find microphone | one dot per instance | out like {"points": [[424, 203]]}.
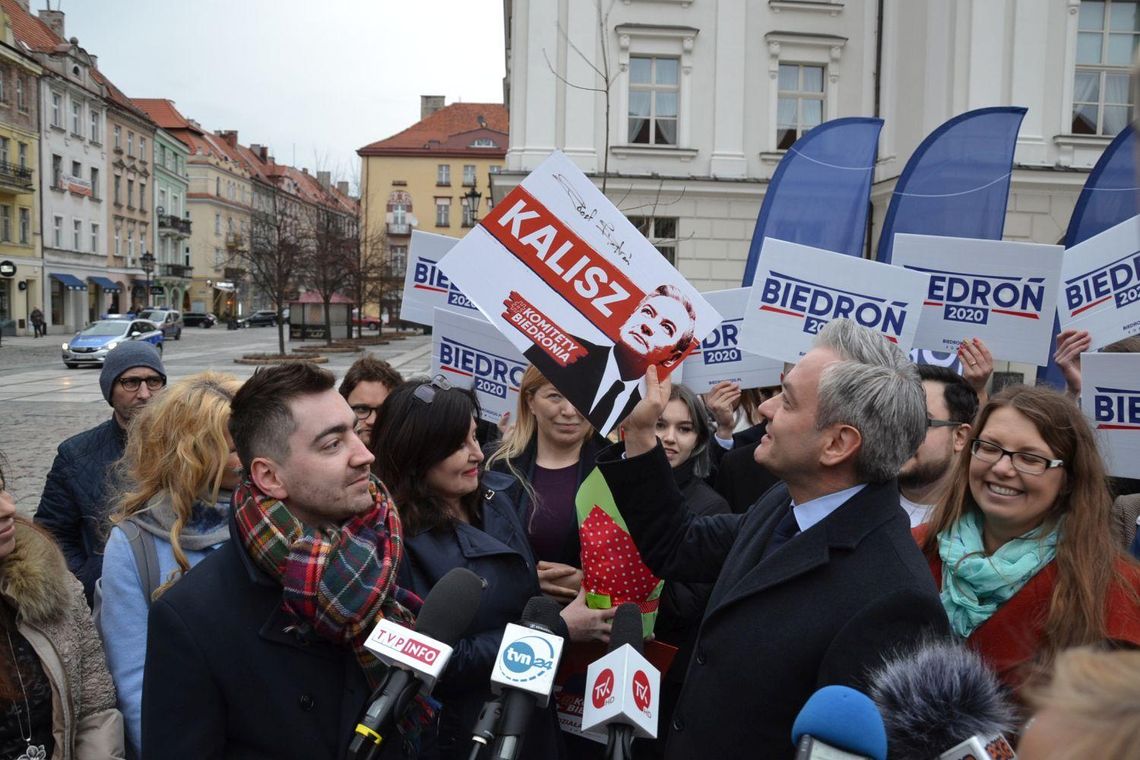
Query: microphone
{"points": [[415, 657], [941, 701], [624, 693], [839, 723], [524, 672]]}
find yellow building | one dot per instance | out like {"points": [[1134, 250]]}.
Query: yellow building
{"points": [[21, 254], [425, 177]]}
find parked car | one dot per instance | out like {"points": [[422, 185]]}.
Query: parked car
{"points": [[369, 322], [168, 320], [199, 319], [263, 318], [91, 344]]}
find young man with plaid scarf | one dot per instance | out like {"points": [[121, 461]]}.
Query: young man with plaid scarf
{"points": [[259, 651]]}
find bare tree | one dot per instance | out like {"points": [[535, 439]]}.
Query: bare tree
{"points": [[330, 256], [367, 262], [274, 257]]}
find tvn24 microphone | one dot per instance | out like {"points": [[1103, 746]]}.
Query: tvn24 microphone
{"points": [[839, 723], [624, 689], [524, 671], [941, 701], [415, 658]]}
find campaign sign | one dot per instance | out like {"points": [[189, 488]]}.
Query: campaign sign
{"points": [[1110, 398], [425, 286], [574, 286], [799, 289], [1100, 285], [471, 353], [1002, 292], [720, 356]]}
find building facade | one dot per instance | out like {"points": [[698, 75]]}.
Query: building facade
{"points": [[704, 97], [172, 251], [21, 290], [433, 177]]}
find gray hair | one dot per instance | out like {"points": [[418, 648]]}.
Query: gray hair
{"points": [[877, 391]]}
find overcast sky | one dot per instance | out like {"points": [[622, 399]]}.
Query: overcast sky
{"points": [[312, 80]]}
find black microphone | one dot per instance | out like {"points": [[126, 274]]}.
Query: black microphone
{"points": [[524, 671], [938, 697], [415, 658]]}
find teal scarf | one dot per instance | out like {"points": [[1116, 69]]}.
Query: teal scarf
{"points": [[974, 585]]}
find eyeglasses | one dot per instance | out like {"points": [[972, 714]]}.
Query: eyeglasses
{"points": [[132, 384], [942, 423], [363, 411], [425, 392], [1030, 464]]}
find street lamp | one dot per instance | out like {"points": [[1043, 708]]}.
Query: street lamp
{"points": [[473, 197], [147, 261]]}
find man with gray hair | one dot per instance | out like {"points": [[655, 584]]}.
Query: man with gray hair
{"points": [[820, 578]]}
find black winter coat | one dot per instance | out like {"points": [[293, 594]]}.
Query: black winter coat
{"points": [[75, 502], [822, 609]]}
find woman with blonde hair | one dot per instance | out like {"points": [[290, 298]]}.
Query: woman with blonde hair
{"points": [[550, 451], [1022, 545], [56, 695], [180, 467], [1090, 709]]}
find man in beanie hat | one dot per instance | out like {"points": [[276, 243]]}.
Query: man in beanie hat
{"points": [[74, 504]]}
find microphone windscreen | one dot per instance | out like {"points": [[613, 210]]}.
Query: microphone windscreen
{"points": [[626, 627], [844, 718], [450, 606], [543, 611], [937, 697]]}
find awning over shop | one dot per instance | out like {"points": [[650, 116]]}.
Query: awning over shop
{"points": [[71, 282], [226, 286], [107, 284]]}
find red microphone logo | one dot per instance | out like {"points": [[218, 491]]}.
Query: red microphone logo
{"points": [[603, 690], [641, 693]]}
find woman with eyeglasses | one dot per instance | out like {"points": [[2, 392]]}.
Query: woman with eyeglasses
{"points": [[456, 515], [180, 468], [1022, 545], [549, 451]]}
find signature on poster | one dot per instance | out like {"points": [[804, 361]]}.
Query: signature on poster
{"points": [[589, 215]]}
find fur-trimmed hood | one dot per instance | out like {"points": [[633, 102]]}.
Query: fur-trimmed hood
{"points": [[33, 578]]}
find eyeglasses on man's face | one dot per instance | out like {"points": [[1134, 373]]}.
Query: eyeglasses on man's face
{"points": [[364, 411], [132, 384], [1023, 461], [425, 392]]}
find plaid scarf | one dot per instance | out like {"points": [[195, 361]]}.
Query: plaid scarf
{"points": [[337, 582]]}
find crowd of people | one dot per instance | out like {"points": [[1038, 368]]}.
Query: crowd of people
{"points": [[204, 567]]}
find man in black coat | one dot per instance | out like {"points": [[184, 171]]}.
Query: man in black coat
{"points": [[76, 500], [230, 670], [819, 579], [603, 384]]}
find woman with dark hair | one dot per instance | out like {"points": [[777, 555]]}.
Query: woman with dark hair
{"points": [[550, 451], [56, 695], [455, 515], [1022, 544], [686, 435]]}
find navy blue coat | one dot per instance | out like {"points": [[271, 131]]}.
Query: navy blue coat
{"points": [[74, 505], [227, 674], [498, 551], [822, 609]]}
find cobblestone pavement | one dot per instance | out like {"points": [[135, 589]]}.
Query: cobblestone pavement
{"points": [[42, 403]]}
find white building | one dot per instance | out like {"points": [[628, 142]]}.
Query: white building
{"points": [[704, 96]]}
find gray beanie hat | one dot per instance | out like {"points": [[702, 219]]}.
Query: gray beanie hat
{"points": [[133, 353]]}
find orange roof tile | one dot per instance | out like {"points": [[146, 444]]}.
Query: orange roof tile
{"points": [[162, 112], [118, 97], [449, 130], [29, 29]]}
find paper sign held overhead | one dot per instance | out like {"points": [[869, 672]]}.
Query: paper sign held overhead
{"points": [[575, 287], [720, 356], [1002, 292], [799, 289], [472, 354], [1100, 285], [426, 287], [1110, 399]]}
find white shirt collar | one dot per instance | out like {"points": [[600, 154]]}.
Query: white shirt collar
{"points": [[611, 374], [811, 512]]}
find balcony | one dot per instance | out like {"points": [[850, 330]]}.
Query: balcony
{"points": [[174, 224], [15, 177], [399, 229], [235, 240], [176, 270], [234, 274]]}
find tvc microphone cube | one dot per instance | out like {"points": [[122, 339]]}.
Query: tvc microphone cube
{"points": [[527, 661], [622, 687], [396, 645], [981, 748]]}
